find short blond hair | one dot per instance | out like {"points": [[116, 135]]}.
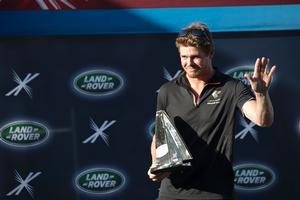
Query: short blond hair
{"points": [[203, 42]]}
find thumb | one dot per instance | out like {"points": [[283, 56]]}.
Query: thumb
{"points": [[249, 78]]}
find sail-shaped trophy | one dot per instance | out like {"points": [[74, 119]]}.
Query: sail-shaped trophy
{"points": [[171, 151]]}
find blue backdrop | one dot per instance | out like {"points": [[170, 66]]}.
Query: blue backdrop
{"points": [[90, 139], [78, 98]]}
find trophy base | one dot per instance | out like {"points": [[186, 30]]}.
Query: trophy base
{"points": [[170, 168]]}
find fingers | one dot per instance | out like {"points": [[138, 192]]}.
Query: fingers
{"points": [[264, 63], [249, 78], [272, 70], [265, 67], [261, 67], [257, 68], [151, 176], [159, 176], [262, 75]]}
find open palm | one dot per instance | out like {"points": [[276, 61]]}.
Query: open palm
{"points": [[261, 79]]}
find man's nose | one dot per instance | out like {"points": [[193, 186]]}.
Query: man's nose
{"points": [[190, 61]]}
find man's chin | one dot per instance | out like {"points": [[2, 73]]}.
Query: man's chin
{"points": [[193, 75]]}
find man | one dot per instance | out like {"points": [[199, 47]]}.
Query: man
{"points": [[202, 103]]}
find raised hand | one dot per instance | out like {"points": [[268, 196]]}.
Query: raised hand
{"points": [[261, 79]]}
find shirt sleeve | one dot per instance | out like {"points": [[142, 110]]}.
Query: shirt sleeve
{"points": [[243, 94]]}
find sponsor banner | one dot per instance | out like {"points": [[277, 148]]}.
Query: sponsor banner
{"points": [[96, 4], [24, 133], [22, 84], [99, 131], [253, 177], [85, 125], [100, 181], [168, 76], [239, 73], [24, 184], [247, 130], [98, 83]]}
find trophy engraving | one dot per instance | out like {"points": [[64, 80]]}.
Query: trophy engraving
{"points": [[171, 151]]}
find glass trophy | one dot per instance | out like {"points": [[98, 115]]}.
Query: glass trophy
{"points": [[171, 151]]}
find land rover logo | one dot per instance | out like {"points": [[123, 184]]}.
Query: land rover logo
{"points": [[23, 133], [239, 73], [100, 181], [253, 176], [98, 82]]}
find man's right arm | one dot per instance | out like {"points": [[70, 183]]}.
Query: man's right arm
{"points": [[159, 176], [161, 104]]}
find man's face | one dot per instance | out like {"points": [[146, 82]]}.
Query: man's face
{"points": [[194, 61]]}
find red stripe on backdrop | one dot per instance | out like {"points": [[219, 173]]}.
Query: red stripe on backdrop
{"points": [[111, 4]]}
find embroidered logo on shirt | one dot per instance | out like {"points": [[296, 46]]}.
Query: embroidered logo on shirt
{"points": [[216, 97]]}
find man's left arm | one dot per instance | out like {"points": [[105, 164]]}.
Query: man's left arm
{"points": [[260, 111]]}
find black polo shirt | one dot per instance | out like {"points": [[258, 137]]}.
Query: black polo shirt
{"points": [[207, 129]]}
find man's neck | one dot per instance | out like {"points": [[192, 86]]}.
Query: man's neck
{"points": [[197, 84]]}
